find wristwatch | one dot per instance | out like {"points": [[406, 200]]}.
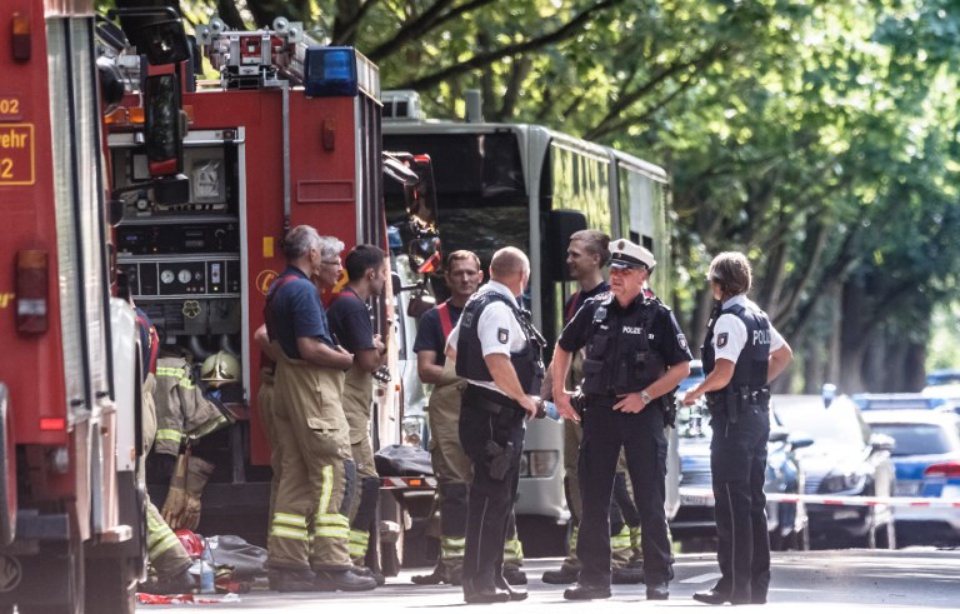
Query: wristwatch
{"points": [[645, 397]]}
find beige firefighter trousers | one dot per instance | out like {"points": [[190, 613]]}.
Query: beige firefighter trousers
{"points": [[317, 476]]}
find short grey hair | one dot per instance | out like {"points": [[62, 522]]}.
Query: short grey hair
{"points": [[299, 241], [330, 247]]}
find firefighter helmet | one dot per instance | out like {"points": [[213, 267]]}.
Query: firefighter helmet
{"points": [[190, 542], [220, 368]]}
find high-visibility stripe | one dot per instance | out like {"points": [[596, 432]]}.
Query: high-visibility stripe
{"points": [[358, 543], [288, 533], [293, 520], [512, 551], [169, 435], [454, 542], [336, 520], [326, 492], [171, 372], [186, 383], [332, 532]]}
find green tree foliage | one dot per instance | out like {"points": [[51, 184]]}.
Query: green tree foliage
{"points": [[818, 137]]}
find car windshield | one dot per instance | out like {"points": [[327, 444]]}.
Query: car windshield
{"points": [[916, 439], [840, 423]]}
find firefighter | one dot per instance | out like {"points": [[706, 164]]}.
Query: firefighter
{"points": [[318, 475], [587, 254], [635, 354], [742, 354], [167, 555], [498, 351], [352, 325]]}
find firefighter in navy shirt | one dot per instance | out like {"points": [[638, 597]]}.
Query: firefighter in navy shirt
{"points": [[635, 354], [742, 353], [352, 325], [499, 352]]}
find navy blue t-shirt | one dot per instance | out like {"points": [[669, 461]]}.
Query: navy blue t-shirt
{"points": [[296, 312], [430, 335], [350, 322]]}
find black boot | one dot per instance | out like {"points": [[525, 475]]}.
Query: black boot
{"points": [[658, 592], [291, 580], [177, 584], [582, 592], [343, 580], [564, 575], [434, 577]]}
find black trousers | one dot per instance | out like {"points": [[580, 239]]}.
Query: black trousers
{"points": [[490, 500], [645, 446], [738, 460]]}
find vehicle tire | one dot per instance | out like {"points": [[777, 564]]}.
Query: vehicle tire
{"points": [[111, 586]]}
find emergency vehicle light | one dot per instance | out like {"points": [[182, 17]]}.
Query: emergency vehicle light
{"points": [[32, 291], [330, 71], [20, 37]]}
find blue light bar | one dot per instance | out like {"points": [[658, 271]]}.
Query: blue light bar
{"points": [[330, 71]]}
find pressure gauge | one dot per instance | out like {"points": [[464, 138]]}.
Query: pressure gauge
{"points": [[166, 276], [184, 276]]}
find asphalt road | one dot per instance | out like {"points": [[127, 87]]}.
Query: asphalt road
{"points": [[854, 580]]}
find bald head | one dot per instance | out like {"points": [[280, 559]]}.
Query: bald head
{"points": [[509, 263]]}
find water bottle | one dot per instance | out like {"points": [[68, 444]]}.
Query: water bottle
{"points": [[207, 576]]}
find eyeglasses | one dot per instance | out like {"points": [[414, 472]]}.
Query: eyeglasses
{"points": [[332, 262]]}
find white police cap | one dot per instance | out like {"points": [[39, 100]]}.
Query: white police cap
{"points": [[625, 254]]}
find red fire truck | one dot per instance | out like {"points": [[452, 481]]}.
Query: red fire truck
{"points": [[289, 135], [71, 506]]}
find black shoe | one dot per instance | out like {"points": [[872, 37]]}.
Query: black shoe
{"points": [[176, 584], [344, 580], [658, 592], [625, 575], [514, 575], [582, 592], [434, 577], [292, 580], [516, 594], [564, 575], [712, 597], [487, 595], [366, 572]]}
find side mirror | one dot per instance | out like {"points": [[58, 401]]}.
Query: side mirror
{"points": [[882, 443], [561, 224], [396, 283]]}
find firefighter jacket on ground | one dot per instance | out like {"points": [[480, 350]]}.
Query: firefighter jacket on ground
{"points": [[181, 407]]}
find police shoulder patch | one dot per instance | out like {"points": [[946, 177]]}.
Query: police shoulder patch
{"points": [[682, 340], [722, 339], [503, 335]]}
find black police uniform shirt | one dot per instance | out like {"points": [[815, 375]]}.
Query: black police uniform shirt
{"points": [[497, 327], [730, 333], [350, 322], [576, 300], [430, 335], [297, 312], [664, 335]]}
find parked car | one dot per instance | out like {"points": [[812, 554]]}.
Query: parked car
{"points": [[845, 459], [786, 522], [901, 401], [926, 454]]}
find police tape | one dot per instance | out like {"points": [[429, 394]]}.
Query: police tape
{"points": [[415, 483], [703, 494]]}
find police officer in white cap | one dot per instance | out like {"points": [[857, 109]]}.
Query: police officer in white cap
{"points": [[636, 356]]}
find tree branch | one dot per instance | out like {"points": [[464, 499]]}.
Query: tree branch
{"points": [[480, 60], [410, 30]]}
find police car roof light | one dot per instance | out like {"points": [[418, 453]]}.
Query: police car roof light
{"points": [[330, 71]]}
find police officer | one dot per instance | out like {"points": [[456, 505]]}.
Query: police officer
{"points": [[498, 352], [635, 354], [742, 353], [453, 470], [587, 254], [352, 326], [309, 426]]}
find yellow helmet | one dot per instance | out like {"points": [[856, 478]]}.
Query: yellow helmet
{"points": [[220, 368]]}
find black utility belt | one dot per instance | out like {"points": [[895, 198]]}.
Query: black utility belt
{"points": [[491, 400], [743, 393]]}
